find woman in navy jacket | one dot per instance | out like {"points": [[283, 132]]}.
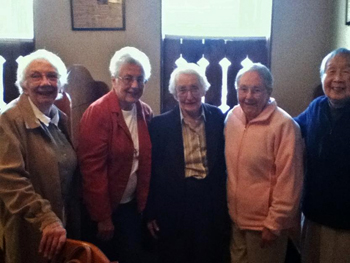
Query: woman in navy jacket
{"points": [[187, 210], [325, 126]]}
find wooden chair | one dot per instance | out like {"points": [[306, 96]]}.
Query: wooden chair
{"points": [[64, 103], [76, 251], [83, 90]]}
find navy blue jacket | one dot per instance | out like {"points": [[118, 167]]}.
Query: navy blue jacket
{"points": [[168, 189], [326, 196]]}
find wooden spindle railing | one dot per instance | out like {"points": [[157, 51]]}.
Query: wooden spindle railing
{"points": [[221, 60]]}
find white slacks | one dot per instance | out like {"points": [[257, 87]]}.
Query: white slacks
{"points": [[245, 247]]}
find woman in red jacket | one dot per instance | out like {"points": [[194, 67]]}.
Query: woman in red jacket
{"points": [[115, 157]]}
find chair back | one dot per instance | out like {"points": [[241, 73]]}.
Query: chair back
{"points": [[76, 251], [83, 90], [64, 103]]}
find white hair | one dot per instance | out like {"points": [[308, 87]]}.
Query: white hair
{"points": [[188, 68], [130, 55], [40, 54], [263, 72]]}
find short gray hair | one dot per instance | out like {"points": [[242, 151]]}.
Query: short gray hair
{"points": [[40, 54], [130, 55], [188, 68], [263, 72], [343, 52]]}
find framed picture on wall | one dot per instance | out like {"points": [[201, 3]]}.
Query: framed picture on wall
{"points": [[347, 20], [98, 14]]}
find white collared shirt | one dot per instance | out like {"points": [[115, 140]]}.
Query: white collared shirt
{"points": [[42, 117]]}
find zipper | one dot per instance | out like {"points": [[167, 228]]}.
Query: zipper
{"points": [[238, 162]]}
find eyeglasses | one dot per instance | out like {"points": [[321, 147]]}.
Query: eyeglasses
{"points": [[254, 91], [195, 91], [52, 77], [128, 80]]}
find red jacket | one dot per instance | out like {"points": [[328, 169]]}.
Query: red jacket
{"points": [[105, 153]]}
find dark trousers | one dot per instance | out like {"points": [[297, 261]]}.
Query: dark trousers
{"points": [[126, 246], [199, 237]]}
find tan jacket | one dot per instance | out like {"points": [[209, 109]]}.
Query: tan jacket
{"points": [[30, 194]]}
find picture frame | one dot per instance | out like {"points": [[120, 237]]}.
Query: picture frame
{"points": [[98, 14], [347, 16]]}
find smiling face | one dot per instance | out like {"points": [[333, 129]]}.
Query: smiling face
{"points": [[41, 84], [336, 80], [129, 92], [189, 93], [252, 94]]}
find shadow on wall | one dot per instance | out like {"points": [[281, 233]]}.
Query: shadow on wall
{"points": [[318, 91]]}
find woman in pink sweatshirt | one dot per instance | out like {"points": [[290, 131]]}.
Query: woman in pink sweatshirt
{"points": [[264, 163]]}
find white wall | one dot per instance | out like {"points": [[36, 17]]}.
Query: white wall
{"points": [[93, 49], [300, 39], [341, 31]]}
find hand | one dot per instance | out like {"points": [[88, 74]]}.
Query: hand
{"points": [[153, 228], [267, 238], [105, 229], [52, 240]]}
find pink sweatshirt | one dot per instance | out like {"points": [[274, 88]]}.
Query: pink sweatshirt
{"points": [[264, 164]]}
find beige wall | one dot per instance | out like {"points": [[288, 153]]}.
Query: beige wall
{"points": [[300, 39], [302, 35], [93, 49]]}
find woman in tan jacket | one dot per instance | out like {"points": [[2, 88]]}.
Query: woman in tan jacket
{"points": [[37, 164]]}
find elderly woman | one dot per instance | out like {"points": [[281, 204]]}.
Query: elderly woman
{"points": [[264, 164], [37, 163], [187, 209], [115, 157], [325, 125]]}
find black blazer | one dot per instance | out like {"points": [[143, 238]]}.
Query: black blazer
{"points": [[168, 184]]}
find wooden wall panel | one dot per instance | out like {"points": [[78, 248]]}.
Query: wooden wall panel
{"points": [[11, 50], [214, 50]]}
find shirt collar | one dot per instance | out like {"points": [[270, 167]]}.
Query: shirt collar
{"points": [[202, 114], [42, 117]]}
